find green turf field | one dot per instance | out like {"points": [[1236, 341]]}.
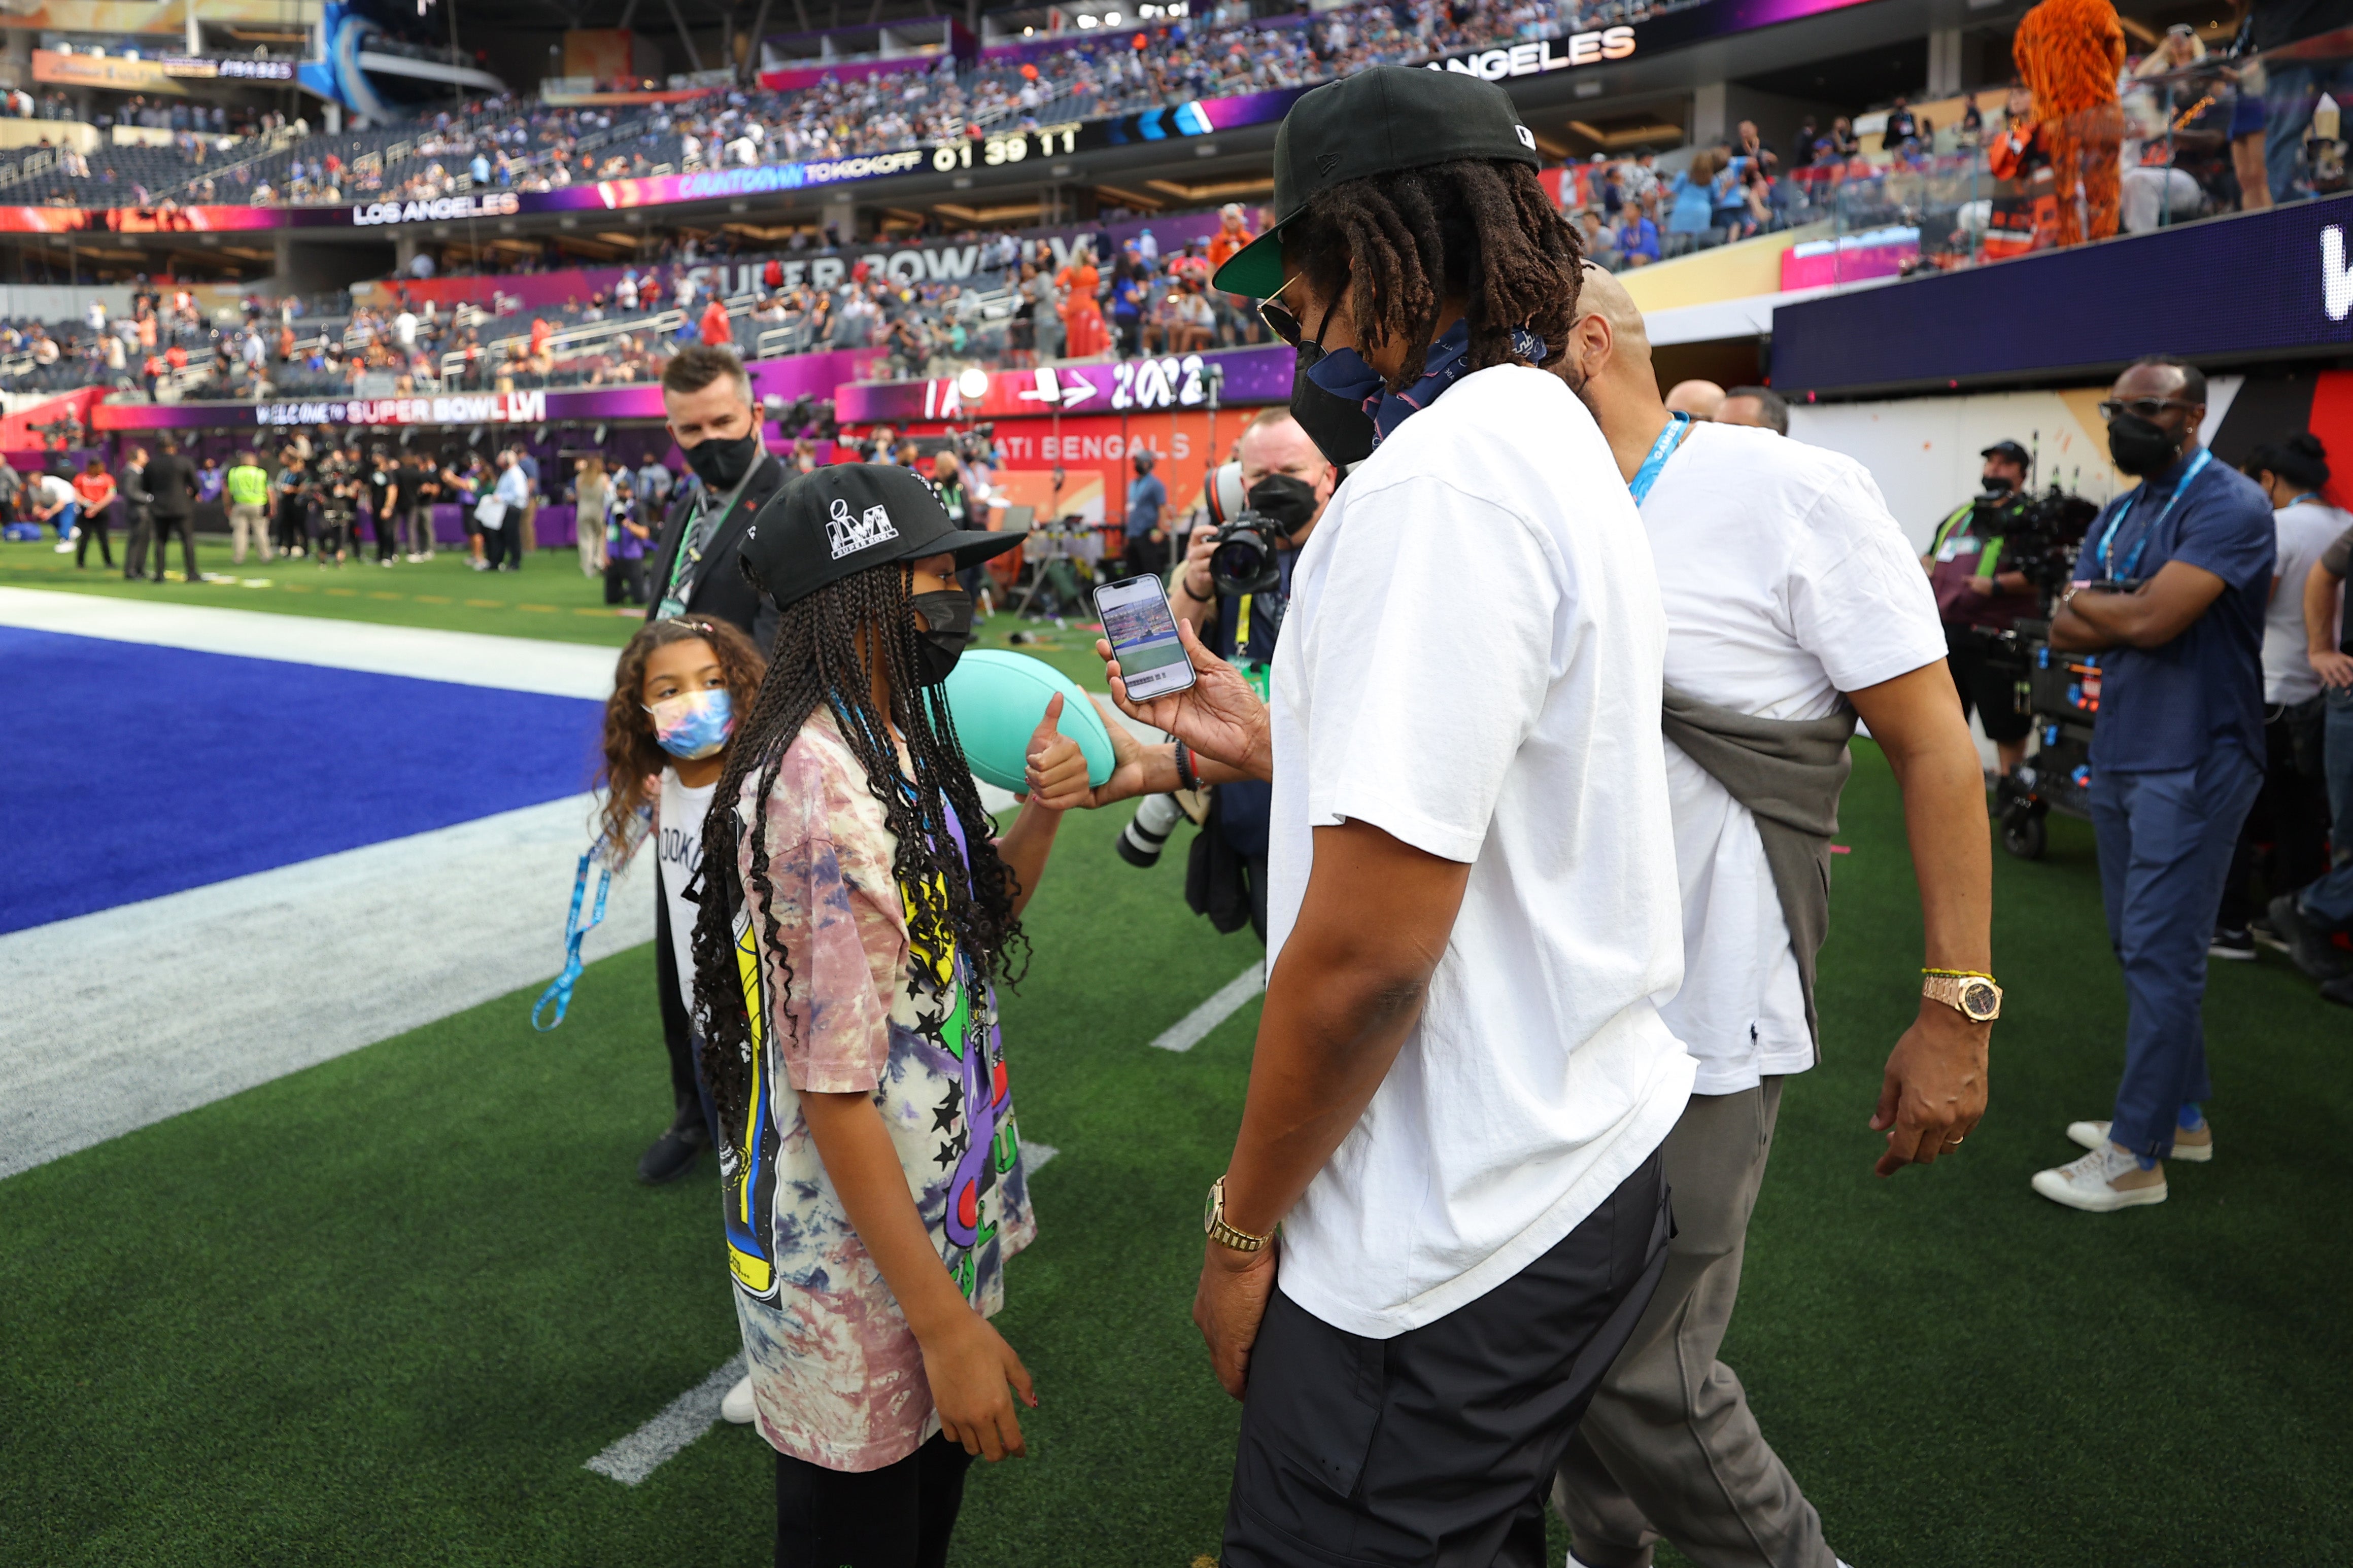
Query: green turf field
{"points": [[549, 598], [381, 1311]]}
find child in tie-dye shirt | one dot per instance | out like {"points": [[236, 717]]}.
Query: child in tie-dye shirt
{"points": [[871, 1167]]}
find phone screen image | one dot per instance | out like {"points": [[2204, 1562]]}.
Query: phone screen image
{"points": [[1143, 634]]}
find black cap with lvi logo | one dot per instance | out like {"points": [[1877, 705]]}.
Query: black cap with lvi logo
{"points": [[837, 522], [1377, 121]]}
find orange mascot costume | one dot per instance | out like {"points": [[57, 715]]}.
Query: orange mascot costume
{"points": [[2070, 52]]}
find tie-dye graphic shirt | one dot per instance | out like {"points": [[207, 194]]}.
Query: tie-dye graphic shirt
{"points": [[836, 1373]]}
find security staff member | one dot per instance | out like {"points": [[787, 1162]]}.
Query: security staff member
{"points": [[707, 401], [2171, 592], [1978, 601], [1285, 478]]}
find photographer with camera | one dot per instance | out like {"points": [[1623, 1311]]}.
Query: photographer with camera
{"points": [[2171, 592], [1233, 588], [1978, 601]]}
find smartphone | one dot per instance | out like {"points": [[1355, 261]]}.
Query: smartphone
{"points": [[1143, 633]]}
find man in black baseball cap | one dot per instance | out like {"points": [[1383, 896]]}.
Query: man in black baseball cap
{"points": [[1463, 1156], [837, 522], [1978, 600]]}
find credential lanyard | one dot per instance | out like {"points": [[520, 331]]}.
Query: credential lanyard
{"points": [[560, 991], [1661, 449], [2107, 541]]}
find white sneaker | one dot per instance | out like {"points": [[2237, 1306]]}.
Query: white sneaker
{"points": [[2106, 1180], [737, 1406], [2092, 1134], [65, 547]]}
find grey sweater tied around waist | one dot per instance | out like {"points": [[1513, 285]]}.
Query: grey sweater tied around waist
{"points": [[1788, 773]]}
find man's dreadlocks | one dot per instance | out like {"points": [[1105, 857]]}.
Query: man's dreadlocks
{"points": [[816, 662], [1482, 232]]}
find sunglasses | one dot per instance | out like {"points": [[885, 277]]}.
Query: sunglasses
{"points": [[1280, 319], [2141, 407]]}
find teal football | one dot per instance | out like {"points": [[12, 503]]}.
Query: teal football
{"points": [[998, 697]]}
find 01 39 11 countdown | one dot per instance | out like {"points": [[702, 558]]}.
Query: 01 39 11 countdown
{"points": [[1009, 147]]}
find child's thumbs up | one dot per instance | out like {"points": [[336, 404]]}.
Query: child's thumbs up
{"points": [[1058, 769]]}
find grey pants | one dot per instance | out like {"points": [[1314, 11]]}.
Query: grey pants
{"points": [[1668, 1450]]}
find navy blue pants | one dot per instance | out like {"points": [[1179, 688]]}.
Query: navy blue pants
{"points": [[2165, 840]]}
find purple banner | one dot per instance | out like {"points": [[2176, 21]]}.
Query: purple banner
{"points": [[1175, 383]]}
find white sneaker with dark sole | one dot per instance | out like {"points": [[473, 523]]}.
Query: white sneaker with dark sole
{"points": [[737, 1407], [2092, 1134], [2102, 1182]]}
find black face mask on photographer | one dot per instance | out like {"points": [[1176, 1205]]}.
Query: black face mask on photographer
{"points": [[1998, 485], [721, 463], [2140, 447], [947, 632]]}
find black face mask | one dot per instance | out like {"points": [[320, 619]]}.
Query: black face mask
{"points": [[721, 463], [947, 632], [1999, 485], [1341, 430], [1284, 501], [2138, 447]]}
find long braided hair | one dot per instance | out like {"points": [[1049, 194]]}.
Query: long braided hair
{"points": [[816, 662], [1478, 230]]}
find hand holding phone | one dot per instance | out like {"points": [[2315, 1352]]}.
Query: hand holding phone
{"points": [[1142, 634]]}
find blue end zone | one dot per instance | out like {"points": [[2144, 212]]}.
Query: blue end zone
{"points": [[135, 772]]}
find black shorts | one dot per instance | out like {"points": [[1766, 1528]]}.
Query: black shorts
{"points": [[1436, 1448], [1988, 679]]}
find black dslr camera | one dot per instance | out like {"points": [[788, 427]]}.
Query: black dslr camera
{"points": [[1249, 528]]}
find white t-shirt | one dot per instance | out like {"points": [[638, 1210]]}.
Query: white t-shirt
{"points": [[1470, 664], [678, 855], [1786, 582], [2306, 530]]}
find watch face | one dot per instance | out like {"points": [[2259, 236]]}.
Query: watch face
{"points": [[1209, 1209], [1979, 1000]]}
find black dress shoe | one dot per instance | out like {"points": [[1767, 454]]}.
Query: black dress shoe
{"points": [[674, 1154]]}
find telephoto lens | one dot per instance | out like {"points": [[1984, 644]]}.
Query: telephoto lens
{"points": [[1141, 841]]}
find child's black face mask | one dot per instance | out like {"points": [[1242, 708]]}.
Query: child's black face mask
{"points": [[947, 631]]}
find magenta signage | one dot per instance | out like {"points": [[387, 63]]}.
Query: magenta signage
{"points": [[1172, 383]]}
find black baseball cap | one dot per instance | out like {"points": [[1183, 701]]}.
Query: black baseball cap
{"points": [[837, 522], [1381, 119], [2010, 452]]}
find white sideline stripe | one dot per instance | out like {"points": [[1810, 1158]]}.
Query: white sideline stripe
{"points": [[1194, 1026], [682, 1420], [126, 1016], [463, 659], [690, 1414]]}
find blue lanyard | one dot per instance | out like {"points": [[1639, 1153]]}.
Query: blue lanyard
{"points": [[1661, 449], [2299, 500], [2107, 541], [560, 992]]}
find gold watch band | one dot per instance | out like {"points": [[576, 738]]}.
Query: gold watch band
{"points": [[1975, 996], [1224, 1234]]}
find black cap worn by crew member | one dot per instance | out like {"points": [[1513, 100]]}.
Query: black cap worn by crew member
{"points": [[837, 522], [1380, 119], [2008, 452]]}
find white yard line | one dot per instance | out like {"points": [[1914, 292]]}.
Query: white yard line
{"points": [[1194, 1027], [682, 1420], [125, 1016], [462, 658]]}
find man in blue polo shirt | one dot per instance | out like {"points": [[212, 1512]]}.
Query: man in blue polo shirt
{"points": [[2171, 592]]}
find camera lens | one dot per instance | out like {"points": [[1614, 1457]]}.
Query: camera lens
{"points": [[1141, 841], [1243, 562]]}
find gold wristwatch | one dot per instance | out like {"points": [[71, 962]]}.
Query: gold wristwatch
{"points": [[1224, 1234], [1975, 996]]}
